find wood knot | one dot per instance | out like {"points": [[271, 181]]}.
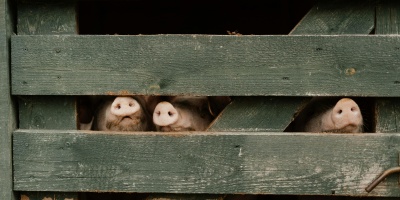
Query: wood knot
{"points": [[350, 71]]}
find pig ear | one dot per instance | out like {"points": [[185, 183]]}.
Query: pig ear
{"points": [[217, 103], [151, 102]]}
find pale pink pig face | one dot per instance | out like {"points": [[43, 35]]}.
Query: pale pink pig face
{"points": [[122, 114], [182, 114], [344, 117]]}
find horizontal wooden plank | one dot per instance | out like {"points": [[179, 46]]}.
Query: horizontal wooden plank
{"points": [[345, 65], [214, 162]]}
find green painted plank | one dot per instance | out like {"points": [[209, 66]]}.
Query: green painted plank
{"points": [[332, 17], [206, 65], [387, 109], [262, 114], [7, 107], [46, 17], [387, 115], [224, 162], [47, 112], [387, 17], [269, 114], [326, 17]]}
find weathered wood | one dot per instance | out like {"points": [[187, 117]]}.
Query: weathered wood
{"points": [[8, 120], [387, 109], [332, 17], [46, 17], [326, 17], [387, 17], [44, 112], [253, 163], [206, 65], [263, 114], [387, 115]]}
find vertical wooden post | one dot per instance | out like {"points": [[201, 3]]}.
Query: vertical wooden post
{"points": [[46, 17], [7, 107], [387, 109]]}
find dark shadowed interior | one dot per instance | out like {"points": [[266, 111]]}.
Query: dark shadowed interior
{"points": [[191, 17]]}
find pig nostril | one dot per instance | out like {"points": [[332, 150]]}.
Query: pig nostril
{"points": [[158, 113], [130, 105], [170, 113], [353, 109], [340, 112], [118, 106]]}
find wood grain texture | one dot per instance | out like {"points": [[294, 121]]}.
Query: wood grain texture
{"points": [[387, 17], [206, 65], [387, 109], [262, 114], [7, 107], [46, 17], [254, 163], [47, 112], [332, 17]]}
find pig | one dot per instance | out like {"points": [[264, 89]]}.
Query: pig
{"points": [[344, 117], [184, 113], [122, 114]]}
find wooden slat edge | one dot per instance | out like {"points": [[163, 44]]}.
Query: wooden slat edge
{"points": [[223, 162], [206, 65]]}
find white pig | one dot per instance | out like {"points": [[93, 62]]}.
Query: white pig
{"points": [[185, 113], [344, 117], [122, 114]]}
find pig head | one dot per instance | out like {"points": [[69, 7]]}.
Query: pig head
{"points": [[344, 117], [185, 113], [122, 114]]}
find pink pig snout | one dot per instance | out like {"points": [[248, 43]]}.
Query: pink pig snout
{"points": [[346, 112], [124, 106], [165, 114]]}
